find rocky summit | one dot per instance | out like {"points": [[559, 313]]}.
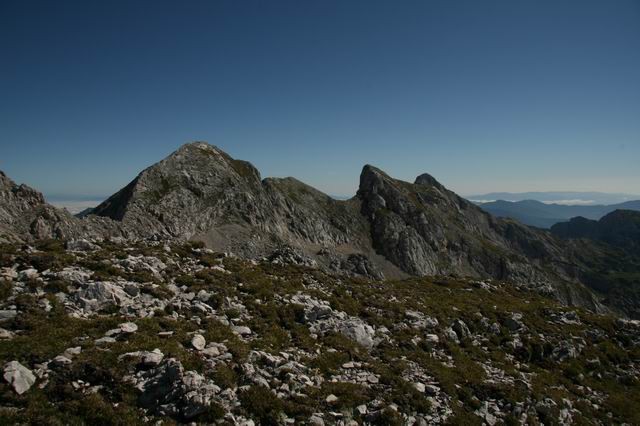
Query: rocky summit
{"points": [[201, 292]]}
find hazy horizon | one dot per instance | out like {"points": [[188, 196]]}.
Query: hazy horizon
{"points": [[485, 96]]}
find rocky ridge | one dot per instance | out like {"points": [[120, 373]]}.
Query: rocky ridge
{"points": [[390, 229]]}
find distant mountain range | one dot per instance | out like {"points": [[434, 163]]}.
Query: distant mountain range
{"points": [[543, 215], [557, 197]]}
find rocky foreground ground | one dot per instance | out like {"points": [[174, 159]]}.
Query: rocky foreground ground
{"points": [[106, 333]]}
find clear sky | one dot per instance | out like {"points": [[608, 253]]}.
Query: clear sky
{"points": [[512, 95]]}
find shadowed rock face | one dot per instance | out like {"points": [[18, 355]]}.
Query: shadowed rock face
{"points": [[390, 228], [426, 229]]}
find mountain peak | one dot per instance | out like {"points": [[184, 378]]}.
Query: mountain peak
{"points": [[427, 179], [369, 169], [371, 176], [202, 145]]}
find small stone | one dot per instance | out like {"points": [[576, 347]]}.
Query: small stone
{"points": [[331, 399], [105, 340], [514, 323], [7, 314], [348, 365], [113, 332], [431, 338], [81, 245], [131, 290], [146, 358], [451, 335], [28, 274], [361, 409], [6, 334], [198, 342], [241, 330], [419, 387], [165, 334], [61, 360], [9, 274], [128, 327], [152, 358], [461, 329], [211, 351], [432, 389], [316, 421], [71, 352]]}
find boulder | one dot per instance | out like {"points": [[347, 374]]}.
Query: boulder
{"points": [[359, 332], [241, 330], [7, 314], [81, 245], [28, 274], [169, 390], [19, 377], [198, 342], [461, 329], [128, 327], [6, 334], [102, 294], [514, 322], [146, 358]]}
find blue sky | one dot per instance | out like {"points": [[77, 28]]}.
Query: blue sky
{"points": [[485, 95]]}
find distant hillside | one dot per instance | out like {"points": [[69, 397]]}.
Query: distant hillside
{"points": [[620, 228], [536, 213]]}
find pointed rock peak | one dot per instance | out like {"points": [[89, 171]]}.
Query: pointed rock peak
{"points": [[369, 169], [370, 175], [427, 179]]}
